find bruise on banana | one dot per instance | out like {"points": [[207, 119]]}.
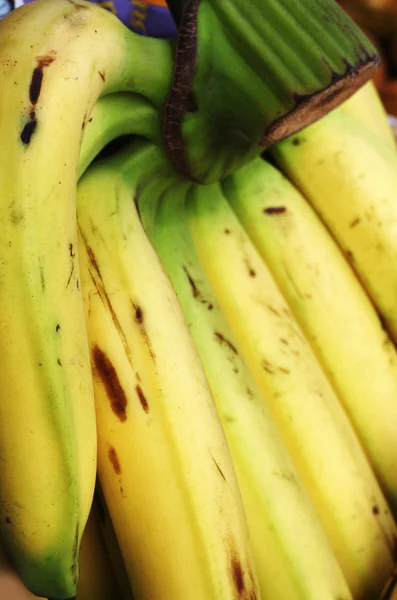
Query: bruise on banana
{"points": [[195, 291], [96, 277], [108, 375], [274, 210], [142, 398], [239, 576], [139, 319], [114, 459], [35, 86]]}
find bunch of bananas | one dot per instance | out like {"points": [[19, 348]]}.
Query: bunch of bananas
{"points": [[218, 362]]}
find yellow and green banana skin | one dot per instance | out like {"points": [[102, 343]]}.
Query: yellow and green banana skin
{"points": [[292, 555], [366, 106], [306, 410], [329, 303], [163, 461], [56, 58], [349, 176]]}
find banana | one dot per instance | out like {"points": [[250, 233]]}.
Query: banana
{"points": [[390, 591], [292, 555], [97, 580], [330, 305], [350, 178], [56, 59], [366, 106], [163, 461], [112, 545], [311, 421]]}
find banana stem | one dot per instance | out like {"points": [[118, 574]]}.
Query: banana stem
{"points": [[249, 73]]}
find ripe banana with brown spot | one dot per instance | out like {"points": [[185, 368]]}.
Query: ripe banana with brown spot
{"points": [[292, 555], [56, 59], [349, 176], [306, 410], [330, 305], [163, 461]]}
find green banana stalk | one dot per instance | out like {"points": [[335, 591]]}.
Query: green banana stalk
{"points": [[249, 73]]}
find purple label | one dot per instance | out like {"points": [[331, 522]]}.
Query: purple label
{"points": [[146, 17]]}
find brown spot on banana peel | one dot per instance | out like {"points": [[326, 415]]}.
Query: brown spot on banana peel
{"points": [[29, 129], [243, 580], [75, 552], [237, 573], [108, 375], [114, 459], [275, 210], [37, 76], [221, 338], [218, 467], [195, 291], [138, 314], [35, 84], [100, 288], [142, 398], [138, 318], [102, 75], [355, 222]]}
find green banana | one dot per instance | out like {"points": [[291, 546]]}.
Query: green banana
{"points": [[292, 555], [307, 412], [56, 58], [330, 305], [163, 461], [350, 177]]}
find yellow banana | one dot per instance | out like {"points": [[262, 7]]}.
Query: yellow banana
{"points": [[292, 555], [315, 429], [366, 106], [56, 58], [163, 461], [97, 580], [330, 305], [350, 178]]}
